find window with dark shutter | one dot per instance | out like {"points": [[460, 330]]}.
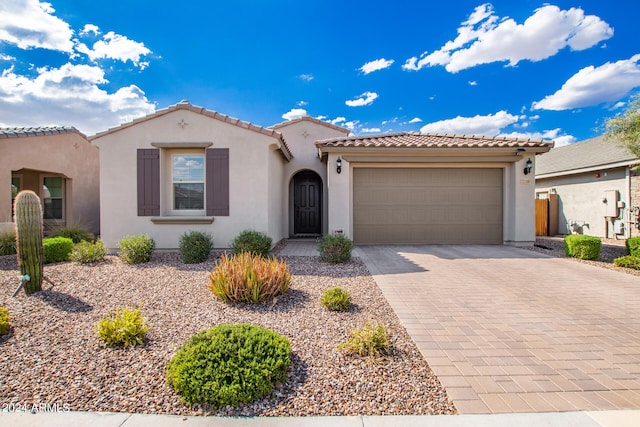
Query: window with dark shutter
{"points": [[217, 176], [148, 182]]}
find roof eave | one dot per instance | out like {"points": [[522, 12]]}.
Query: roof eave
{"points": [[576, 171]]}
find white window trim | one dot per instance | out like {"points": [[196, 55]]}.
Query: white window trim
{"points": [[171, 190]]}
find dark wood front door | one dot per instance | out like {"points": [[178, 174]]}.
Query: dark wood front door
{"points": [[307, 197]]}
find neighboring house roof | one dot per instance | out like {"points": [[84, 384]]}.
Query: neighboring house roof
{"points": [[186, 105], [591, 154], [422, 140], [23, 132], [312, 120]]}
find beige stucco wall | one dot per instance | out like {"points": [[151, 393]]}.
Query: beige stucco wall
{"points": [[518, 193], [300, 137], [253, 165], [68, 154], [580, 198]]}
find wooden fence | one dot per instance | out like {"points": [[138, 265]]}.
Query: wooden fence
{"points": [[542, 217]]}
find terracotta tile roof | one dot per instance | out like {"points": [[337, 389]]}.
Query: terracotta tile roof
{"points": [[422, 140], [312, 120], [22, 132], [186, 105]]}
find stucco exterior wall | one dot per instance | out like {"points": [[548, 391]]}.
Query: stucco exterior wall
{"points": [[251, 161], [69, 154], [581, 209]]}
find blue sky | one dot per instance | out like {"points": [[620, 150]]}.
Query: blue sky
{"points": [[513, 68]]}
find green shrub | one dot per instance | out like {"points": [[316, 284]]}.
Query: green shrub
{"points": [[628, 261], [88, 252], [253, 242], [633, 246], [195, 247], [76, 233], [8, 243], [125, 327], [5, 321], [370, 341], [248, 278], [336, 299], [229, 364], [581, 246], [57, 249], [335, 249], [136, 249]]}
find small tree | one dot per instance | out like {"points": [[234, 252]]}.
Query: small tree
{"points": [[625, 128]]}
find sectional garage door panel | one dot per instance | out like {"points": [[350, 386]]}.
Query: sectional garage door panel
{"points": [[427, 206]]}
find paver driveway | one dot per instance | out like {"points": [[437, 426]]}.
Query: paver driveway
{"points": [[510, 330]]}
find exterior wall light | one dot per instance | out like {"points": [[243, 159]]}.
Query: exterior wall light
{"points": [[527, 168], [339, 165]]}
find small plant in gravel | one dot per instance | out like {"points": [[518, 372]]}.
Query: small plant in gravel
{"points": [[582, 247], [57, 249], [336, 299], [229, 364], [249, 278], [628, 261], [136, 249], [370, 341], [195, 247], [335, 249], [124, 327], [77, 233], [89, 252], [633, 246], [253, 242], [8, 242], [5, 321]]}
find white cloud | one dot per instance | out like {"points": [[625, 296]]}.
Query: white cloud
{"points": [[366, 98], [378, 64], [90, 29], [370, 130], [485, 38], [554, 134], [473, 83], [301, 103], [338, 120], [415, 120], [294, 113], [595, 85], [306, 77], [5, 57], [68, 95], [116, 46], [489, 125], [31, 24], [393, 120]]}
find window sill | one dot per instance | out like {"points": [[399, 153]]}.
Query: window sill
{"points": [[182, 219]]}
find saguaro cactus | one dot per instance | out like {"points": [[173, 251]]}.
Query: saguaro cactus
{"points": [[28, 218]]}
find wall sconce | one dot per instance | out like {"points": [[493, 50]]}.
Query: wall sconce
{"points": [[527, 168], [339, 165]]}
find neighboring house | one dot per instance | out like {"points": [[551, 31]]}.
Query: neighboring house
{"points": [[57, 163], [598, 193], [187, 168]]}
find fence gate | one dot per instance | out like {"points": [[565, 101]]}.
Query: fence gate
{"points": [[542, 217]]}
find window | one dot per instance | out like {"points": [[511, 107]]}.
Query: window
{"points": [[52, 197], [188, 181], [16, 186]]}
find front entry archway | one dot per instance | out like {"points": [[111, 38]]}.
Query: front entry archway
{"points": [[307, 203]]}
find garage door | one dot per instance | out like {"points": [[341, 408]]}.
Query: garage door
{"points": [[427, 206]]}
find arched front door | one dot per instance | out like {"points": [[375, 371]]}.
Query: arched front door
{"points": [[307, 200]]}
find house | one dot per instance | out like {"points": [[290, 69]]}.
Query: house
{"points": [[57, 163], [188, 168], [597, 191]]}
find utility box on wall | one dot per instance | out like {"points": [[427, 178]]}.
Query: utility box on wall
{"points": [[610, 200]]}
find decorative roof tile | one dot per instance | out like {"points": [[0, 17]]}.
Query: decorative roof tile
{"points": [[422, 140], [23, 132]]}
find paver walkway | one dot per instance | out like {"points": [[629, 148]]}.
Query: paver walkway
{"points": [[510, 330]]}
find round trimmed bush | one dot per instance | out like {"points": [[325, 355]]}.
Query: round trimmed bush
{"points": [[336, 299], [5, 321], [582, 246], [252, 241], [335, 249], [628, 261], [88, 253], [136, 249], [229, 364], [57, 249], [195, 247]]}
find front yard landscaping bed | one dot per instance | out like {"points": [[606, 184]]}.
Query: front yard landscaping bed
{"points": [[52, 355]]}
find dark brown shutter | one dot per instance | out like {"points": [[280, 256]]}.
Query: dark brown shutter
{"points": [[148, 182], [217, 176]]}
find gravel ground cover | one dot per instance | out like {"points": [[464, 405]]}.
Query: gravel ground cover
{"points": [[52, 356]]}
